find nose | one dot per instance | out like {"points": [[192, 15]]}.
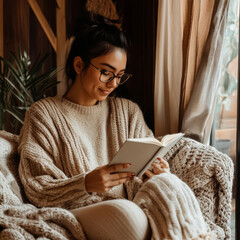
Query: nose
{"points": [[113, 83]]}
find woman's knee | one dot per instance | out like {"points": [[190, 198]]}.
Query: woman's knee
{"points": [[114, 219], [128, 212]]}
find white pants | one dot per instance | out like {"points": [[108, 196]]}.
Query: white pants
{"points": [[113, 220]]}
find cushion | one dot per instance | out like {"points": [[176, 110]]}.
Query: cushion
{"points": [[9, 160]]}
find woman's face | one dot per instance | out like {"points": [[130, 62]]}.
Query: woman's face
{"points": [[89, 88]]}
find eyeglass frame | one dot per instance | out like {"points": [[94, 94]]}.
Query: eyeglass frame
{"points": [[114, 76]]}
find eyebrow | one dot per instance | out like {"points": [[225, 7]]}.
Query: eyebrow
{"points": [[113, 68]]}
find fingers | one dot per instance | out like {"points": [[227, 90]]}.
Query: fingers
{"points": [[161, 166], [157, 169], [116, 167], [117, 182], [149, 174], [113, 171], [163, 163], [110, 177], [118, 176]]}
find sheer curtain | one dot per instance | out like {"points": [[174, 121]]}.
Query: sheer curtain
{"points": [[187, 104]]}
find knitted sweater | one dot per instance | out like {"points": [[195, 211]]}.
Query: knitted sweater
{"points": [[61, 142]]}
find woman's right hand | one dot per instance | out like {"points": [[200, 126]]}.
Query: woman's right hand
{"points": [[102, 179]]}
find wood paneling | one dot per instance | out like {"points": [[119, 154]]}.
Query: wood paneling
{"points": [[39, 43], [73, 11], [1, 28], [140, 24], [61, 46], [16, 26], [44, 23]]}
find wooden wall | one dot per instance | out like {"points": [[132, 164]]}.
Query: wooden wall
{"points": [[21, 28], [140, 24]]}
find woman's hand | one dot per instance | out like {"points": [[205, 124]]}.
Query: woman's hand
{"points": [[159, 166], [102, 179]]}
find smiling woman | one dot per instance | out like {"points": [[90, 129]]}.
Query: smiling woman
{"points": [[97, 81]]}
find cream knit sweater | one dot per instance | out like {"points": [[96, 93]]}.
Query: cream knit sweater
{"points": [[62, 141]]}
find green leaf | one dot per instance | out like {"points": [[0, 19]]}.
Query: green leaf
{"points": [[23, 108], [38, 65], [21, 84], [45, 88], [18, 93], [18, 80], [42, 78], [17, 61], [16, 115]]}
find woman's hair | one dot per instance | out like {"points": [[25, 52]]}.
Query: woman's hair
{"points": [[95, 36]]}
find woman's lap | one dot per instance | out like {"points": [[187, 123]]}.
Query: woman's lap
{"points": [[113, 219]]}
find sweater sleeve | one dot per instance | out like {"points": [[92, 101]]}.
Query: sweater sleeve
{"points": [[45, 176]]}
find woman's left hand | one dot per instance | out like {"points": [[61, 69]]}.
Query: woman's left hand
{"points": [[161, 166]]}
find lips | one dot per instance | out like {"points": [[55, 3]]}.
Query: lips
{"points": [[106, 92]]}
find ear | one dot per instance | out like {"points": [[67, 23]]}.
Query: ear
{"points": [[78, 64]]}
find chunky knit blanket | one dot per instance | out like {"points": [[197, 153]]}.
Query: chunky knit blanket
{"points": [[208, 173], [20, 221]]}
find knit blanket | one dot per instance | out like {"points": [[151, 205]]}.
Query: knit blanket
{"points": [[20, 221], [207, 172]]}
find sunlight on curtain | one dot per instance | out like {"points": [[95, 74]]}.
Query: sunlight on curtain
{"points": [[168, 67], [188, 54], [196, 20], [199, 112]]}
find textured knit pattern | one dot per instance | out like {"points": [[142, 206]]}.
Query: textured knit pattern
{"points": [[172, 209], [9, 160], [56, 155], [54, 163], [209, 173], [25, 221]]}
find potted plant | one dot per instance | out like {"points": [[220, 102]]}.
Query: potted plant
{"points": [[21, 84]]}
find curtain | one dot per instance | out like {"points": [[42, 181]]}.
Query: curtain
{"points": [[168, 67], [199, 112], [202, 24], [196, 19]]}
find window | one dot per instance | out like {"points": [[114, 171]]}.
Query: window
{"points": [[225, 124]]}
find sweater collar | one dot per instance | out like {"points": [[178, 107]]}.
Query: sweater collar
{"points": [[84, 109]]}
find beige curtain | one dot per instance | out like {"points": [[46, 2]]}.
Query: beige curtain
{"points": [[168, 67], [202, 24], [196, 19]]}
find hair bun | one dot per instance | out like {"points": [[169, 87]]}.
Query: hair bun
{"points": [[89, 20]]}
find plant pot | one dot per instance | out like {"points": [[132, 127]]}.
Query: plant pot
{"points": [[223, 145]]}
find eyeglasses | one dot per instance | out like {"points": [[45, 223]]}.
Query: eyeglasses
{"points": [[107, 76]]}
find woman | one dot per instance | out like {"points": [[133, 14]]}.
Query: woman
{"points": [[66, 144]]}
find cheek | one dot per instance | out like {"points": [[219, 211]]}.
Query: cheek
{"points": [[93, 77], [90, 79]]}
